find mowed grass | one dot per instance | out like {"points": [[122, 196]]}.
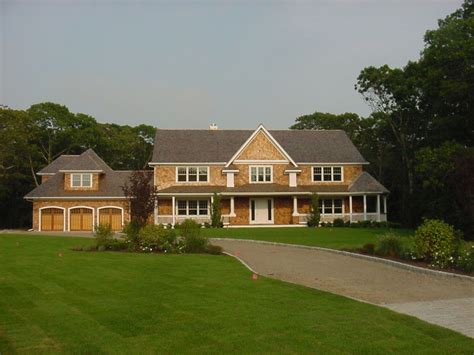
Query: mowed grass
{"points": [[334, 238], [56, 300]]}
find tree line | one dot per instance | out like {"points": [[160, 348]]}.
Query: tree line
{"points": [[31, 139], [419, 136]]}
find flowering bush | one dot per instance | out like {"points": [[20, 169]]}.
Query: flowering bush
{"points": [[465, 261], [156, 238], [436, 242]]}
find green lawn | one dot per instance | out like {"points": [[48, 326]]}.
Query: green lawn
{"points": [[335, 238], [56, 300]]}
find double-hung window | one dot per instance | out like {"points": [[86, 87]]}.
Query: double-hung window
{"points": [[192, 208], [260, 174], [330, 206], [192, 174], [81, 180], [327, 173]]}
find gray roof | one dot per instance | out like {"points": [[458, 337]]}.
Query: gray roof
{"points": [[303, 146], [110, 181], [87, 161], [58, 164], [110, 185], [364, 183], [367, 183]]}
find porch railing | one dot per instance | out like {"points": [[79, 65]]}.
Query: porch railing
{"points": [[356, 217]]}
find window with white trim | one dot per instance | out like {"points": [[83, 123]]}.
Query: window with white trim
{"points": [[260, 174], [81, 180], [330, 206], [192, 174], [328, 173], [192, 207]]}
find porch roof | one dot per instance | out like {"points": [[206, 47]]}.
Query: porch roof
{"points": [[259, 189]]}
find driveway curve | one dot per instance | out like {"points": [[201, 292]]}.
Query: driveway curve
{"points": [[443, 300]]}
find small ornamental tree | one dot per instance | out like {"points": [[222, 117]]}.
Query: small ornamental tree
{"points": [[216, 211], [314, 215], [139, 190]]}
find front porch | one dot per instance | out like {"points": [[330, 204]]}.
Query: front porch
{"points": [[270, 210]]}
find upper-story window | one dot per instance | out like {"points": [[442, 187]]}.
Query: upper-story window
{"points": [[192, 174], [81, 180], [261, 174], [327, 173]]}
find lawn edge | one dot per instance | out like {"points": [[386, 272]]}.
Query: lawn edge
{"points": [[397, 264]]}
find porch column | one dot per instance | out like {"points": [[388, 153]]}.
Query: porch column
{"points": [[365, 207], [155, 211], [350, 208], [173, 210], [232, 210], [385, 204], [295, 206], [378, 208]]}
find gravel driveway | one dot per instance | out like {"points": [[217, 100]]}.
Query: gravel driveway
{"points": [[443, 300]]}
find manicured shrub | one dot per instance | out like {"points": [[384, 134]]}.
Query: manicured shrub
{"points": [[338, 222], [214, 249], [193, 241], [436, 242], [103, 234], [153, 238], [368, 248], [314, 215], [132, 231], [465, 259], [389, 245]]}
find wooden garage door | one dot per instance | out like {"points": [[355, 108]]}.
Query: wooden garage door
{"points": [[112, 216], [81, 219], [52, 219]]}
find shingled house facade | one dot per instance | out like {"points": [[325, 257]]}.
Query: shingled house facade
{"points": [[78, 192], [263, 177]]}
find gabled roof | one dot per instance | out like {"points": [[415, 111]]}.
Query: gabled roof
{"points": [[57, 164], [87, 161], [110, 181], [219, 146], [367, 183], [262, 129]]}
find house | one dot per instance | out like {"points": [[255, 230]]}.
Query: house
{"points": [[77, 192], [263, 177]]}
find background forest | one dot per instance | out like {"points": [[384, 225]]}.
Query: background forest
{"points": [[418, 139]]}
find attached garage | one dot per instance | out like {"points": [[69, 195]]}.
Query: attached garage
{"points": [[52, 219], [81, 219], [111, 216]]}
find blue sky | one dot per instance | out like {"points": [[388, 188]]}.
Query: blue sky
{"points": [[182, 64]]}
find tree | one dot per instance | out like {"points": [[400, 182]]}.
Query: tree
{"points": [[216, 211], [314, 214], [140, 192]]}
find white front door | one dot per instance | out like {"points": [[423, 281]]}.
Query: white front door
{"points": [[261, 210]]}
